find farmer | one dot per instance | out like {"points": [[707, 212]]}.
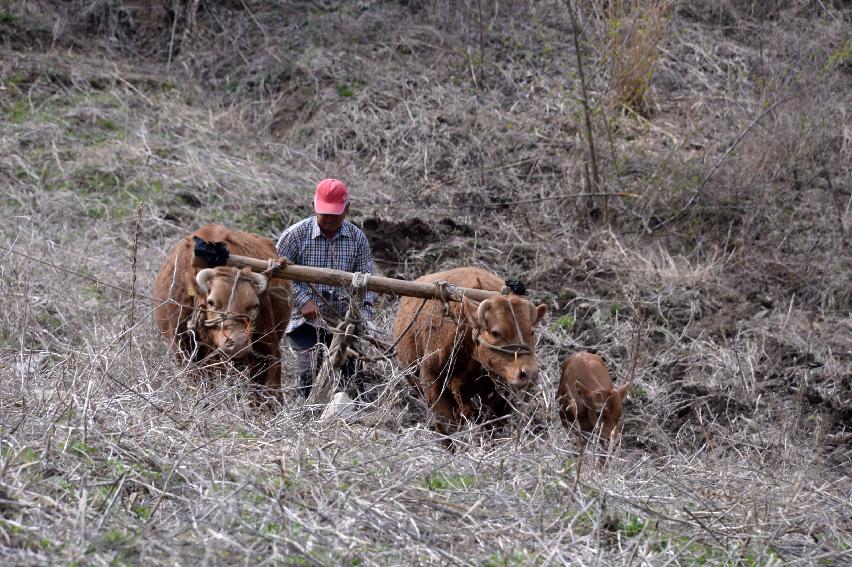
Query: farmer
{"points": [[325, 240]]}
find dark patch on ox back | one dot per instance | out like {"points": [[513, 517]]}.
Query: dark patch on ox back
{"points": [[212, 253]]}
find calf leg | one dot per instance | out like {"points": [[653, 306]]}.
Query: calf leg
{"points": [[567, 414], [573, 418]]}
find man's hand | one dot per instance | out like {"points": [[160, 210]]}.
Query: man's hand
{"points": [[309, 310]]}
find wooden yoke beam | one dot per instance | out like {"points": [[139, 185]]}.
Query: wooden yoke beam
{"points": [[378, 284]]}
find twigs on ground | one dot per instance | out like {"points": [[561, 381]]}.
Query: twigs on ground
{"points": [[692, 200]]}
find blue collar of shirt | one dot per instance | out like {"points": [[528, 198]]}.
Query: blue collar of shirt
{"points": [[343, 231]]}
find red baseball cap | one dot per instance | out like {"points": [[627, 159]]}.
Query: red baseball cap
{"points": [[331, 197]]}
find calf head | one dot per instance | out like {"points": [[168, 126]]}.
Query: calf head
{"points": [[600, 408], [503, 337], [231, 305]]}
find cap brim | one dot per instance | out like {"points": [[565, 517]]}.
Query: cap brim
{"points": [[329, 208]]}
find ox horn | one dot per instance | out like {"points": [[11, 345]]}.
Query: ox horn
{"points": [[480, 314], [258, 281], [202, 279]]}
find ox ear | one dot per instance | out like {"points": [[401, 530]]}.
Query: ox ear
{"points": [[258, 281], [622, 391], [537, 312], [203, 279]]}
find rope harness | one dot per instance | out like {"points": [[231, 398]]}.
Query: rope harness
{"points": [[227, 316], [201, 311], [516, 349]]}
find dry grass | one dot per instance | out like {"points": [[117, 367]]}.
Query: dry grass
{"points": [[161, 469], [636, 31], [736, 445]]}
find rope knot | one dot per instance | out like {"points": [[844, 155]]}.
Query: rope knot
{"points": [[275, 264], [446, 292], [359, 279]]}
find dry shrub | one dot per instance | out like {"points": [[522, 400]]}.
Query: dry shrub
{"points": [[150, 27], [734, 12], [636, 28]]}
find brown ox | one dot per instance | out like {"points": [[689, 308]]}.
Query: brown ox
{"points": [[462, 355], [586, 397], [236, 314]]}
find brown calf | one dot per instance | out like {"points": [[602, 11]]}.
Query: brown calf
{"points": [[586, 397]]}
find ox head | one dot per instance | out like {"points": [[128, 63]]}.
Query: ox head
{"points": [[603, 410], [503, 338], [231, 307]]}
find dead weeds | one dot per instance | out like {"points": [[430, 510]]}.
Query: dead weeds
{"points": [[456, 126]]}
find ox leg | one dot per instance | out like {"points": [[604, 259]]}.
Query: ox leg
{"points": [[273, 374], [268, 372], [439, 401], [499, 409], [464, 407]]}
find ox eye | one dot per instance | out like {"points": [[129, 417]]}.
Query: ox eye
{"points": [[210, 302], [496, 334]]}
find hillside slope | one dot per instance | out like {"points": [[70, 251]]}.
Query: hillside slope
{"points": [[718, 234]]}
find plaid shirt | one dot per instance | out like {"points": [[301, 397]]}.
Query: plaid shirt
{"points": [[348, 250]]}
